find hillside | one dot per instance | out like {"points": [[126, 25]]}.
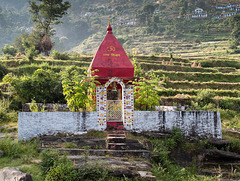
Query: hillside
{"points": [[211, 85], [144, 25]]}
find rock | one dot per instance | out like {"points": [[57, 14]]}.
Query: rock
{"points": [[14, 174], [1, 153], [211, 154], [219, 144], [147, 175]]}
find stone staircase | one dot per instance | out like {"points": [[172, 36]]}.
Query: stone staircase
{"points": [[222, 161], [116, 153], [116, 142]]}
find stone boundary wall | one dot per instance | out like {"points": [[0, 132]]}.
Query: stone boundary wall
{"points": [[203, 124]]}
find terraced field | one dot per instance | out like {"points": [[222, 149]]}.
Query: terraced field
{"points": [[183, 78]]}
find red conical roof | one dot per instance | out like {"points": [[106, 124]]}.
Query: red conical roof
{"points": [[111, 59]]}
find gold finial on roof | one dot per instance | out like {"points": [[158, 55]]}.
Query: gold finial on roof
{"points": [[109, 22]]}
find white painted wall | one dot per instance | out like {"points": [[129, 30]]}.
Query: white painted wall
{"points": [[32, 124], [192, 123], [205, 124]]}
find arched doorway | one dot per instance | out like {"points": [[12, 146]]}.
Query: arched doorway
{"points": [[114, 103]]}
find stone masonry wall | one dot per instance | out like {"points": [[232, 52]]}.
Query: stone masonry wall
{"points": [[204, 124]]}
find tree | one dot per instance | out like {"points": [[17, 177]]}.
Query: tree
{"points": [[78, 88], [235, 25], [146, 93], [46, 14], [44, 86], [8, 49]]}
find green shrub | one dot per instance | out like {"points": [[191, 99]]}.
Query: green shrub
{"points": [[60, 56], [4, 117], [3, 71], [194, 92], [8, 49], [16, 149], [31, 52], [44, 86], [57, 167], [49, 159], [62, 172], [202, 85], [197, 76]]}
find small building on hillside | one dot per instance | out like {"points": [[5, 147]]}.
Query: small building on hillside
{"points": [[198, 10], [114, 94]]}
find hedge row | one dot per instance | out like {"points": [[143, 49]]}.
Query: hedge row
{"points": [[220, 63], [201, 77], [221, 93], [16, 63], [30, 69], [230, 103], [202, 85], [152, 66], [156, 59], [3, 71]]}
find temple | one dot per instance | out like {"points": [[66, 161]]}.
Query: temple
{"points": [[114, 94]]}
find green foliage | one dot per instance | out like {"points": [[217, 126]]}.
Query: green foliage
{"points": [[56, 167], [49, 158], [47, 13], [31, 52], [44, 86], [19, 42], [205, 97], [235, 35], [203, 85], [10, 50], [78, 89], [15, 149], [60, 56], [220, 63], [197, 76], [145, 92], [194, 92], [62, 171], [6, 114], [157, 66], [164, 167], [3, 70]]}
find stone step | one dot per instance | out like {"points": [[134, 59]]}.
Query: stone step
{"points": [[225, 165], [116, 140], [116, 135], [120, 167], [117, 132], [219, 155], [113, 162], [102, 152], [117, 146], [115, 127]]}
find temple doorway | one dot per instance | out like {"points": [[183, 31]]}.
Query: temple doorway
{"points": [[114, 108]]}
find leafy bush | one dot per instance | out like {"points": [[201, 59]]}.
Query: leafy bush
{"points": [[57, 167], [202, 85], [3, 71], [193, 92], [6, 114], [8, 49], [60, 56], [49, 158], [15, 149], [31, 52], [43, 86], [197, 76]]}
